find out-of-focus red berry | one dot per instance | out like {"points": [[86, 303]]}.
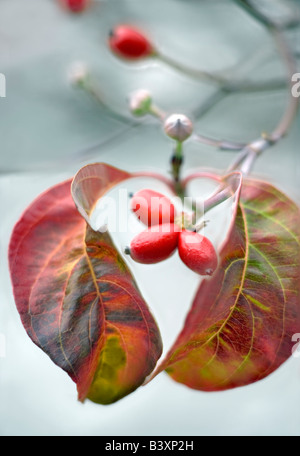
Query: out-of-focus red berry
{"points": [[75, 6], [129, 43]]}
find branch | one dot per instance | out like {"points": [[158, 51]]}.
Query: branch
{"points": [[249, 154], [265, 20]]}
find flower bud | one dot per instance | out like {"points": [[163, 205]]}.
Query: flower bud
{"points": [[178, 127], [78, 73], [140, 102]]}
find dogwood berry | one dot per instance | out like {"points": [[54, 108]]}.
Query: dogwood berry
{"points": [[155, 244], [129, 43], [152, 208], [75, 6], [197, 252]]}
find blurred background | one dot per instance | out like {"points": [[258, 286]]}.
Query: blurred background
{"points": [[49, 129]]}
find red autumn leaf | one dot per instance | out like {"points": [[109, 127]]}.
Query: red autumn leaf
{"points": [[92, 182], [76, 297], [239, 329]]}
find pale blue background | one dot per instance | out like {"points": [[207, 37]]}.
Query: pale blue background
{"points": [[44, 125]]}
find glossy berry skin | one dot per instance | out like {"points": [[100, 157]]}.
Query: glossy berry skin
{"points": [[197, 253], [152, 208], [155, 244], [75, 6], [129, 43]]}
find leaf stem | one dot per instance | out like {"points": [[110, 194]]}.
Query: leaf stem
{"points": [[176, 164], [194, 73], [155, 111], [221, 144], [217, 198], [88, 85], [227, 84]]}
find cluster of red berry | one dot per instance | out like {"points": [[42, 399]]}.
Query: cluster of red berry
{"points": [[165, 233]]}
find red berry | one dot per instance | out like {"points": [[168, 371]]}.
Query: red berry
{"points": [[197, 252], [76, 6], [152, 208], [154, 244], [129, 43]]}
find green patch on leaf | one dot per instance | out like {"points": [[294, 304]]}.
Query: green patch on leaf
{"points": [[106, 387]]}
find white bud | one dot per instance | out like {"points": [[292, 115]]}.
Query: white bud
{"points": [[178, 127], [140, 102], [77, 73]]}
